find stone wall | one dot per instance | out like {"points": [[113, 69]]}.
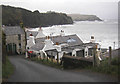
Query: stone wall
{"points": [[14, 39], [76, 62]]}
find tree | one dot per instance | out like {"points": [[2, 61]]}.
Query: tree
{"points": [[21, 25], [3, 48]]}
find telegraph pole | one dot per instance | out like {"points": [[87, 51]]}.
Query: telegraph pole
{"points": [[110, 54], [114, 45]]}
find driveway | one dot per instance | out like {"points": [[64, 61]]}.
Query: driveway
{"points": [[28, 71]]}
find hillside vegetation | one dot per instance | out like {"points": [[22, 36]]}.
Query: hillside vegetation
{"points": [[14, 16], [79, 17]]}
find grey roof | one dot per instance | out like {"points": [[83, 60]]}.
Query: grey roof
{"points": [[34, 33], [39, 40], [78, 47], [13, 30], [37, 46], [90, 44], [70, 39], [71, 48], [67, 50]]}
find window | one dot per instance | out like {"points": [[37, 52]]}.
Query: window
{"points": [[19, 37], [19, 45], [27, 47], [86, 53]]}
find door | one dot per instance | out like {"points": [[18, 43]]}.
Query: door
{"points": [[80, 53], [11, 48]]}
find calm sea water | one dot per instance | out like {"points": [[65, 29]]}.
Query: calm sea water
{"points": [[105, 32]]}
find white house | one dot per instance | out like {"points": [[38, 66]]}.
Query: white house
{"points": [[47, 46]]}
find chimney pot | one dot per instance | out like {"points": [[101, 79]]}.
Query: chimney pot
{"points": [[92, 37], [48, 37], [57, 43], [31, 34]]}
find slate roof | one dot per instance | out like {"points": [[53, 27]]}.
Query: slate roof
{"points": [[71, 40], [68, 50], [90, 44], [40, 34], [13, 30], [37, 46], [39, 40], [71, 48]]}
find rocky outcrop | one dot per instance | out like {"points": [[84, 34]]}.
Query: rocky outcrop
{"points": [[79, 17]]}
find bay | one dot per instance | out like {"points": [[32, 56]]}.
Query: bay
{"points": [[105, 32]]}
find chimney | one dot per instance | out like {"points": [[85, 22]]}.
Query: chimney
{"points": [[31, 34], [40, 28], [58, 48], [31, 38], [57, 43], [62, 33], [92, 40], [48, 37]]}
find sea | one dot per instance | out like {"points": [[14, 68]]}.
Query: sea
{"points": [[105, 32]]}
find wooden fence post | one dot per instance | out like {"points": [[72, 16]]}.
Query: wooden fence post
{"points": [[52, 56], [47, 58], [94, 56], [110, 55], [57, 57]]}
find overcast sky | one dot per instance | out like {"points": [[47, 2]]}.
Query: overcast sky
{"points": [[105, 9]]}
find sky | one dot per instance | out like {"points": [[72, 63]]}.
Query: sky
{"points": [[105, 9]]}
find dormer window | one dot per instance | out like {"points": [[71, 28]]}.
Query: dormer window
{"points": [[71, 40]]}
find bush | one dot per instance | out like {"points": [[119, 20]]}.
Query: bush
{"points": [[105, 68], [115, 61], [70, 63]]}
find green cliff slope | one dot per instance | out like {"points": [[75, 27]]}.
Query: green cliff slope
{"points": [[13, 16]]}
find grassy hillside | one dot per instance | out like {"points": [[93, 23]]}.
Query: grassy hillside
{"points": [[13, 16]]}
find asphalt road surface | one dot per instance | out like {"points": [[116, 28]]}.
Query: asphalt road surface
{"points": [[28, 71]]}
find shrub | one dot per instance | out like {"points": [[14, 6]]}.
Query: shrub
{"points": [[115, 61]]}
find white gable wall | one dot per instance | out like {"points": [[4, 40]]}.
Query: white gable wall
{"points": [[31, 41], [40, 34], [48, 45]]}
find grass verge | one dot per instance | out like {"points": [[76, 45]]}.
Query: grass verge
{"points": [[47, 62], [104, 67], [7, 70]]}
